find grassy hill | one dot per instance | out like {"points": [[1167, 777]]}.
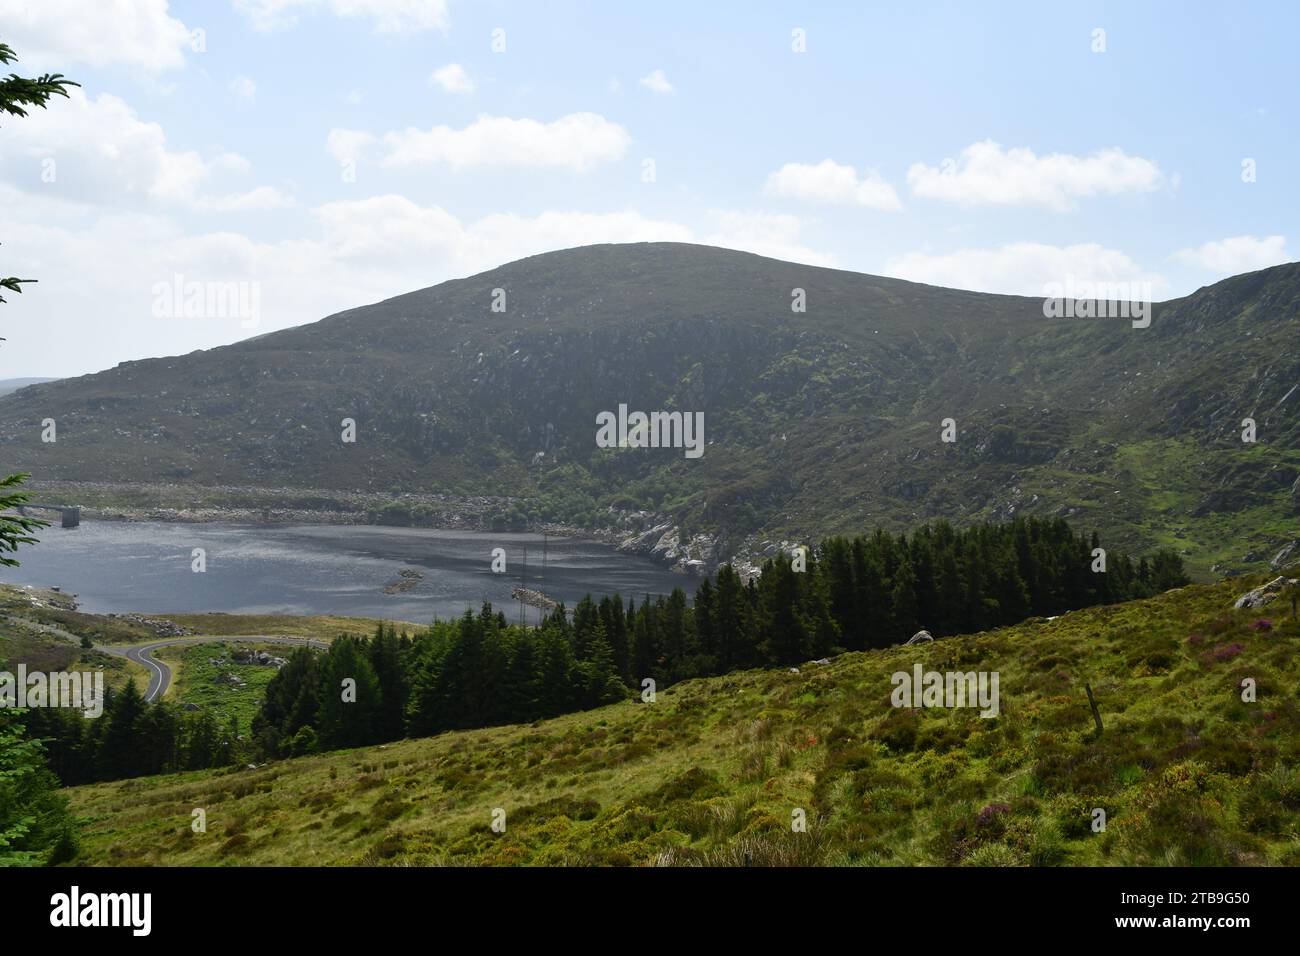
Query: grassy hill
{"points": [[818, 422], [713, 770]]}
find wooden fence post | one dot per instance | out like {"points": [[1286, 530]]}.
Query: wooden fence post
{"points": [[1092, 702]]}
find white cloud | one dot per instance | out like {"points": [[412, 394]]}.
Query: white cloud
{"points": [[452, 78], [232, 162], [656, 82], [387, 16], [244, 88], [1236, 255], [986, 174], [263, 197], [1022, 268], [348, 145], [97, 271], [55, 34], [353, 97], [765, 234], [104, 154], [831, 183], [416, 245], [578, 142]]}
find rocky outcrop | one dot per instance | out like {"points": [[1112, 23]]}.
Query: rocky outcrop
{"points": [[161, 627], [407, 578], [663, 541], [1265, 593], [534, 599], [1286, 556]]}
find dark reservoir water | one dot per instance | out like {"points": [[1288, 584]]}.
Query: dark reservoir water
{"points": [[321, 569]]}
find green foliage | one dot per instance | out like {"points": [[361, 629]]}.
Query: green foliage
{"points": [[208, 677], [36, 827], [14, 529], [132, 738], [16, 95], [710, 773], [479, 671]]}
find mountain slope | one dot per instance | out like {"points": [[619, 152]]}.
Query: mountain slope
{"points": [[817, 422], [8, 385], [714, 770]]}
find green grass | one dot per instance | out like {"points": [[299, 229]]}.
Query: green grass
{"points": [[26, 619], [322, 627], [53, 609], [198, 682], [713, 771], [41, 652]]}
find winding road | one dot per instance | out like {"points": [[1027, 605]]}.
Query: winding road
{"points": [[160, 675]]}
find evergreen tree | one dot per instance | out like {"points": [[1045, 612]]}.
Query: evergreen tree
{"points": [[350, 700], [906, 616], [704, 614], [780, 626], [291, 702], [731, 623], [645, 652], [520, 689], [15, 529], [120, 755], [385, 655], [36, 827], [17, 95], [615, 624]]}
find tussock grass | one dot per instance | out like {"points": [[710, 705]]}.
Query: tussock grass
{"points": [[714, 772]]}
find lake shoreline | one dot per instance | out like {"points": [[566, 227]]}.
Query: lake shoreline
{"points": [[117, 566], [647, 534]]}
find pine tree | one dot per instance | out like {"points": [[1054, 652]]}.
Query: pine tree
{"points": [[350, 700], [951, 595], [36, 827], [559, 686], [602, 684], [730, 624], [677, 641], [903, 601], [15, 529], [586, 618], [159, 732], [871, 596], [615, 623], [837, 566], [645, 651], [519, 688], [385, 656], [16, 95], [291, 701], [703, 613], [119, 753], [781, 628]]}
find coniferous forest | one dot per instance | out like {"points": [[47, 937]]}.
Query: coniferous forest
{"points": [[848, 594]]}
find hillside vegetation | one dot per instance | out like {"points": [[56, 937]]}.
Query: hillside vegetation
{"points": [[713, 770], [817, 422]]}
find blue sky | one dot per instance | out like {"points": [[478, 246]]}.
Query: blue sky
{"points": [[330, 153]]}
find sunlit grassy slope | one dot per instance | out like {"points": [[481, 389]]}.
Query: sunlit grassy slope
{"points": [[714, 770]]}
